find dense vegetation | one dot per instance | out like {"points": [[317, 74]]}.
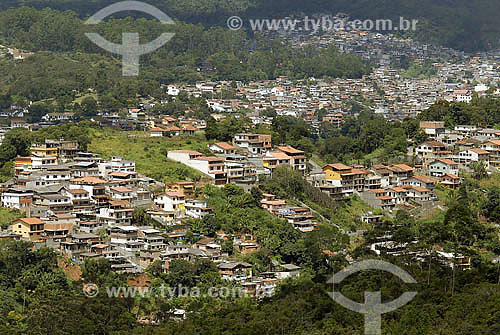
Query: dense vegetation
{"points": [[480, 112], [67, 63], [461, 24]]}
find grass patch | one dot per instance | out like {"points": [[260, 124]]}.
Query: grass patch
{"points": [[149, 153], [493, 180], [80, 99], [7, 216]]}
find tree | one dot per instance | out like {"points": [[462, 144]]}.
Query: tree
{"points": [[89, 107], [37, 110], [479, 170]]}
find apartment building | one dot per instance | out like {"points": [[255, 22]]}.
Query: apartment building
{"points": [[255, 144], [297, 158], [493, 148], [172, 202], [18, 198], [117, 213], [431, 150]]}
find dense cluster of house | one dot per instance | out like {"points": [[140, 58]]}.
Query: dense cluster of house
{"points": [[451, 149], [381, 186], [83, 206], [437, 160]]}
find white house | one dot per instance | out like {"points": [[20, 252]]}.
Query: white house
{"points": [[462, 96], [156, 132], [17, 198], [466, 157], [197, 208], [172, 202], [223, 148], [172, 90], [441, 167]]}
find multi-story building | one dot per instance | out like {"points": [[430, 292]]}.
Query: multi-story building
{"points": [[255, 144], [185, 187], [493, 148], [197, 208], [211, 166], [298, 158], [172, 202], [441, 167], [116, 164], [223, 148], [431, 150], [42, 150], [433, 128], [79, 197], [466, 157], [123, 193], [117, 213], [335, 119], [379, 198], [240, 172], [349, 179], [18, 198], [28, 228], [274, 159]]}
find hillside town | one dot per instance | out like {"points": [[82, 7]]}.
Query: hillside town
{"points": [[83, 205]]}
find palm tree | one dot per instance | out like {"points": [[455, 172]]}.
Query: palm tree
{"points": [[479, 170]]}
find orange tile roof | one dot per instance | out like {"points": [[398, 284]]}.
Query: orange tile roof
{"points": [[121, 174], [399, 189], [425, 179], [77, 191], [290, 150], [225, 146], [175, 194], [420, 189], [495, 142], [121, 189], [447, 161], [122, 203], [279, 155], [31, 221], [402, 167], [89, 180], [479, 151], [338, 166]]}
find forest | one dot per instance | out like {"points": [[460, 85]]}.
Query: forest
{"points": [[464, 25], [68, 63]]}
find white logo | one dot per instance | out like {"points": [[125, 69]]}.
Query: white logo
{"points": [[130, 48], [373, 308]]}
